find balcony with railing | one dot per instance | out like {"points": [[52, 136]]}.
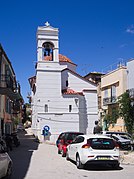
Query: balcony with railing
{"points": [[109, 100], [8, 86], [6, 82]]}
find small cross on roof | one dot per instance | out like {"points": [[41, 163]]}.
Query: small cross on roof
{"points": [[47, 23]]}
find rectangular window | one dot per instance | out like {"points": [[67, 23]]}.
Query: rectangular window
{"points": [[70, 108], [0, 103], [101, 143], [113, 91], [67, 83], [106, 93], [8, 106], [46, 108], [113, 94]]}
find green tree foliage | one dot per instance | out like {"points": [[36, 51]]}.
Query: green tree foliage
{"points": [[111, 117], [126, 111], [26, 113]]}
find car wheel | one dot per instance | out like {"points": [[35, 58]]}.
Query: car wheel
{"points": [[63, 154], [9, 171], [78, 162], [59, 152]]}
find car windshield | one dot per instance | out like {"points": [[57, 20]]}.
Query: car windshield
{"points": [[101, 143], [125, 137]]}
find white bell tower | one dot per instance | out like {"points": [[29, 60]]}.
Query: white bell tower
{"points": [[47, 43]]}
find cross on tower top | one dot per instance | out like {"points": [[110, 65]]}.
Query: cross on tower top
{"points": [[47, 23]]}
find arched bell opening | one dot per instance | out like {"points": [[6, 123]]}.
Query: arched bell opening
{"points": [[48, 49]]}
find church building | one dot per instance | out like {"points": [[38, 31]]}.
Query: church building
{"points": [[61, 99]]}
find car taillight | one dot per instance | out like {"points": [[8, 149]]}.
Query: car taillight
{"points": [[116, 145], [86, 146]]}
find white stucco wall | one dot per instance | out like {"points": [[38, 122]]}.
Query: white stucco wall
{"points": [[59, 123], [68, 65], [58, 117], [92, 110], [75, 82], [130, 74]]}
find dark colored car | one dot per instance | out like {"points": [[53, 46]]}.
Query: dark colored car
{"points": [[64, 139], [123, 139], [124, 144]]}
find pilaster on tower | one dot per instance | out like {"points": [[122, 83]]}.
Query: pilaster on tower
{"points": [[47, 43]]}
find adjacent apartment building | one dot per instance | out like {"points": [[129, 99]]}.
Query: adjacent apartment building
{"points": [[130, 79], [10, 97], [130, 74], [61, 99], [113, 84]]}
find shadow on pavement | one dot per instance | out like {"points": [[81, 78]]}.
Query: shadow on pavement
{"points": [[101, 168], [98, 167], [21, 156]]}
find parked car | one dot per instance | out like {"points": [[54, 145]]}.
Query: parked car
{"points": [[93, 149], [116, 133], [123, 139], [129, 138], [123, 143], [5, 162], [64, 139]]}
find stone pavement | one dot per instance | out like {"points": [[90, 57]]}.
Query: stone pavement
{"points": [[127, 157]]}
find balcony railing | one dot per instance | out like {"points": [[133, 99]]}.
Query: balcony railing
{"points": [[110, 100], [6, 82], [9, 87]]}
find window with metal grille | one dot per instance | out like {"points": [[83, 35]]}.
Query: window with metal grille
{"points": [[70, 108], [46, 108]]}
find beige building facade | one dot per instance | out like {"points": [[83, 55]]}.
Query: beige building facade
{"points": [[113, 84], [10, 97]]}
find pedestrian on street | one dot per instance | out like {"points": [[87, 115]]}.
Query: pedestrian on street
{"points": [[97, 128]]}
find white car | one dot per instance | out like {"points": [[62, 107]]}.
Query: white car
{"points": [[93, 149], [5, 163]]}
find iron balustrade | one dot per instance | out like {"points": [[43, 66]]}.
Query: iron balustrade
{"points": [[109, 100], [6, 81]]}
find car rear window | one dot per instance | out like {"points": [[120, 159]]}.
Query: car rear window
{"points": [[101, 143]]}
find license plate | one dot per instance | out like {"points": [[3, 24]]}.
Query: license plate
{"points": [[103, 158]]}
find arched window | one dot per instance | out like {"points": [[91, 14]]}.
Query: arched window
{"points": [[48, 48]]}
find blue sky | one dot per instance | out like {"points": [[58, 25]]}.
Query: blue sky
{"points": [[94, 34]]}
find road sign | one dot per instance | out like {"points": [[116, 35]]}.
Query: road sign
{"points": [[45, 130]]}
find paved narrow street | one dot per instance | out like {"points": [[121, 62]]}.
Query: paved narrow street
{"points": [[37, 161]]}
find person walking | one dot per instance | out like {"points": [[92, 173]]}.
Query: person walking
{"points": [[97, 129]]}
